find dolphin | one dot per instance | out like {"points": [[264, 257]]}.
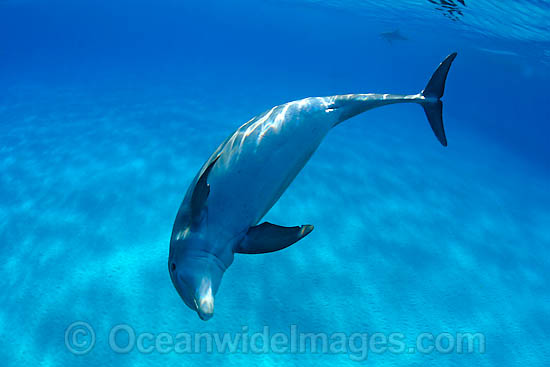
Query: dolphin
{"points": [[393, 36], [248, 173]]}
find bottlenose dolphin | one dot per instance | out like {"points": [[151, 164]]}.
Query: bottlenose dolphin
{"points": [[248, 173], [393, 36]]}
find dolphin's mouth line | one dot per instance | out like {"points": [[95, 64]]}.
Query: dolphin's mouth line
{"points": [[204, 255]]}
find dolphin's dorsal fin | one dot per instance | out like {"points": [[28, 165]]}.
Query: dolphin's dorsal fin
{"points": [[268, 237], [201, 192]]}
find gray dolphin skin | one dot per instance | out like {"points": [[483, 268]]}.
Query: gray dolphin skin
{"points": [[249, 172]]}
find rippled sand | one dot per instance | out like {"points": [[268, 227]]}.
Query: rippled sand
{"points": [[409, 237]]}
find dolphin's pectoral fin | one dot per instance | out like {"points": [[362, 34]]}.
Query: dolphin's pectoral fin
{"points": [[268, 237], [201, 192]]}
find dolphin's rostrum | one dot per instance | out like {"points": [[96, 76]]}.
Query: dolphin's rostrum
{"points": [[248, 173]]}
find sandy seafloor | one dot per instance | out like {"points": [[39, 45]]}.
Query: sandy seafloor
{"points": [[409, 237]]}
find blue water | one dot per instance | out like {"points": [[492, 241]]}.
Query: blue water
{"points": [[108, 110]]}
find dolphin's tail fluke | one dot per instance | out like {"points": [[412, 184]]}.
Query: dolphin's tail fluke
{"points": [[432, 98]]}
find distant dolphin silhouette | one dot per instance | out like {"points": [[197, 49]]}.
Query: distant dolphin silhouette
{"points": [[498, 52], [393, 36], [248, 173]]}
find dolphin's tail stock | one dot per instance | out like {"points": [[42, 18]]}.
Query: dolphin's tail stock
{"points": [[349, 105], [432, 98]]}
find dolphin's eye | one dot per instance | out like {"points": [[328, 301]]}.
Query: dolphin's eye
{"points": [[173, 267]]}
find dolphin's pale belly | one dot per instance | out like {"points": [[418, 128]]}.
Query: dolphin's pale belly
{"points": [[256, 165]]}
